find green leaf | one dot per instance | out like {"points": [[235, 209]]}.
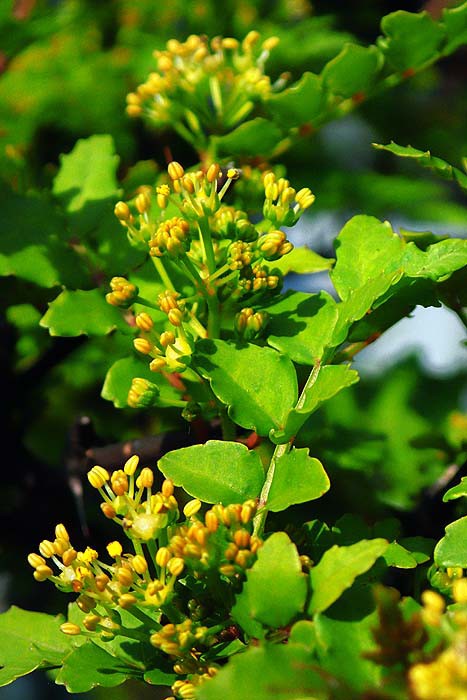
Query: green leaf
{"points": [[338, 569], [297, 478], [426, 160], [86, 183], [217, 472], [410, 39], [120, 375], [343, 634], [81, 312], [303, 261], [367, 249], [90, 666], [455, 23], [330, 380], [259, 136], [420, 548], [353, 71], [157, 676], [396, 555], [33, 246], [275, 589], [439, 260], [30, 640], [273, 670], [302, 325], [451, 550], [456, 491], [258, 384], [299, 104]]}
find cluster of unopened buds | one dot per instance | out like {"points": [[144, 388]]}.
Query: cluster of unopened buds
{"points": [[203, 87], [223, 256], [214, 547]]}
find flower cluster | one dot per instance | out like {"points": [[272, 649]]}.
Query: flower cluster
{"points": [[211, 551], [203, 87], [224, 259]]}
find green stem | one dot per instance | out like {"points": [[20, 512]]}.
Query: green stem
{"points": [[159, 265], [206, 240], [260, 518], [279, 451], [146, 302], [214, 321]]}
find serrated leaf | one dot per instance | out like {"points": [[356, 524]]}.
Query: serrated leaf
{"points": [[303, 261], [216, 472], [259, 136], [90, 666], [275, 589], [86, 182], [451, 550], [299, 104], [120, 375], [30, 640], [297, 478], [426, 160], [81, 312], [455, 23], [329, 381], [278, 670], [338, 569], [353, 71], [411, 39], [302, 325], [456, 491], [33, 246], [258, 384]]}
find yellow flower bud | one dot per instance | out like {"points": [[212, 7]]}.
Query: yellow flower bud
{"points": [[270, 43], [127, 600], [124, 576], [176, 566], [163, 556], [98, 476], [70, 628], [175, 170], [213, 172], [192, 507], [131, 465], [175, 317], [143, 202], [459, 590], [167, 488], [42, 572], [167, 338], [69, 556], [144, 322], [90, 622], [101, 582], [158, 364], [114, 549], [47, 549], [122, 211], [108, 510], [211, 520], [35, 560], [145, 479], [143, 346], [139, 564], [233, 173], [61, 532]]}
